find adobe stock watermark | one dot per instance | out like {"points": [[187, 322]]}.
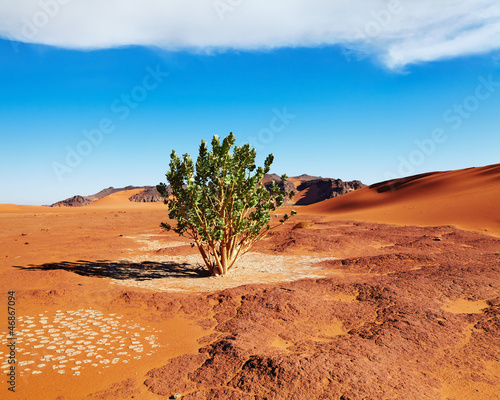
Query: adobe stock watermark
{"points": [[379, 22], [454, 117], [47, 11], [222, 7], [121, 107], [280, 120]]}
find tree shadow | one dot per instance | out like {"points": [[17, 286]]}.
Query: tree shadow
{"points": [[143, 271]]}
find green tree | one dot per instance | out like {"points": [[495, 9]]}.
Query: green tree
{"points": [[220, 202]]}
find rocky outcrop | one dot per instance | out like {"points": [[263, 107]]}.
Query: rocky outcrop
{"points": [[271, 177], [305, 177], [75, 201], [322, 189], [148, 195], [287, 186]]}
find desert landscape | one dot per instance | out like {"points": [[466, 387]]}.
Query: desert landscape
{"points": [[387, 291]]}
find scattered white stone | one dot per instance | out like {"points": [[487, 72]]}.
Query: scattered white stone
{"points": [[70, 336]]}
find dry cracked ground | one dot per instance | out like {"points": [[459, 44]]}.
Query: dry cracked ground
{"points": [[334, 310]]}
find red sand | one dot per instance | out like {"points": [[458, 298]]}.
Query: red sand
{"points": [[394, 294]]}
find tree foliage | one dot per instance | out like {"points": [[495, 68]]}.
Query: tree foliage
{"points": [[219, 201]]}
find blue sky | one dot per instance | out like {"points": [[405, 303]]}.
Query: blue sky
{"points": [[75, 119]]}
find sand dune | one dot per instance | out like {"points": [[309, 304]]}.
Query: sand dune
{"points": [[467, 198], [118, 199]]}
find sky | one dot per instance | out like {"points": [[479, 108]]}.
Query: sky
{"points": [[98, 93]]}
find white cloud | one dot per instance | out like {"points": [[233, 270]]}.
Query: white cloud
{"points": [[398, 32]]}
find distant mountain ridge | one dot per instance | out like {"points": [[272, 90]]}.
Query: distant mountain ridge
{"points": [[311, 189], [79, 201]]}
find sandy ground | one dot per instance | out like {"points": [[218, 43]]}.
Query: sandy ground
{"points": [[105, 299]]}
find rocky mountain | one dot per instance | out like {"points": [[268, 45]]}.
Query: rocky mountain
{"points": [[287, 186], [316, 190], [309, 189], [305, 177], [75, 201], [79, 201], [148, 195], [271, 177], [313, 189]]}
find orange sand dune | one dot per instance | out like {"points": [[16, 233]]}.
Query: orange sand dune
{"points": [[121, 200], [468, 198]]}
